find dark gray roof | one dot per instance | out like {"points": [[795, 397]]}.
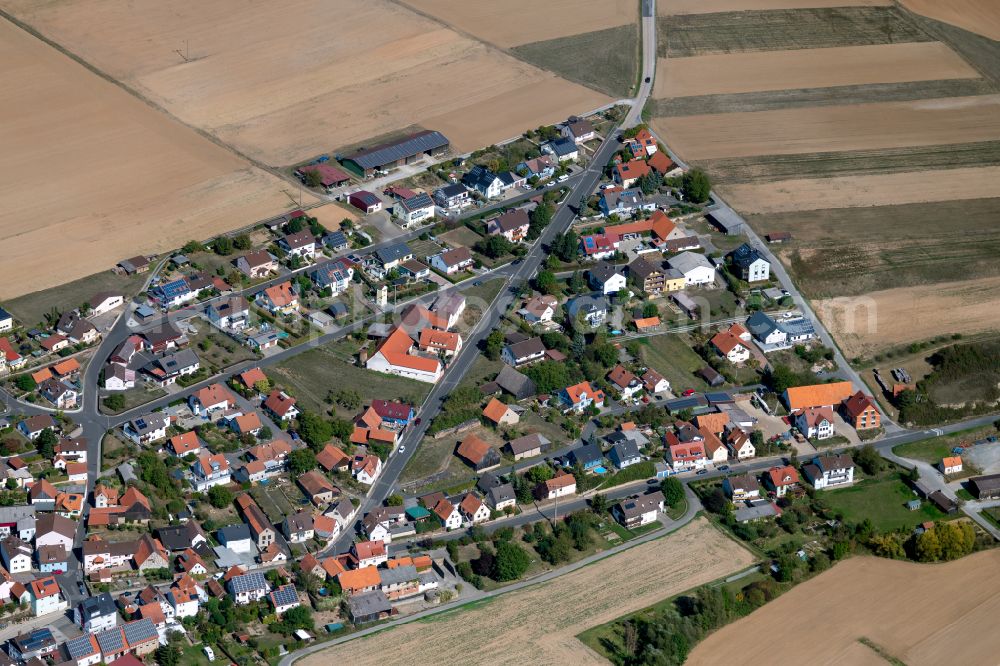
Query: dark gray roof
{"points": [[604, 272], [587, 453], [393, 253], [760, 325], [179, 537], [501, 493], [517, 384], [417, 201], [526, 348], [284, 596], [369, 603], [451, 190], [633, 507], [79, 647], [398, 575], [139, 631], [625, 450], [247, 582], [478, 177], [111, 641], [236, 532], [335, 239], [745, 255], [98, 606], [387, 153], [528, 443]]}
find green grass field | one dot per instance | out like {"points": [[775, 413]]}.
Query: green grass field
{"points": [[883, 501], [605, 60], [671, 356], [932, 450], [767, 30], [310, 376], [31, 309]]}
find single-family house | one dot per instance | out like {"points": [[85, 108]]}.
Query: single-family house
{"points": [[500, 414], [638, 510], [749, 265], [317, 487], [629, 173], [815, 422], [580, 130], [147, 429], [781, 479], [541, 167], [562, 484], [830, 471], [212, 398], [281, 406], [696, 268], [451, 197], [369, 553], [563, 149], [950, 465], [298, 527], [580, 397], [257, 264], [482, 180], [279, 299], [231, 313], [587, 455], [248, 587], [624, 381], [444, 343], [654, 382], [523, 352], [685, 456], [512, 225], [731, 347], [860, 411], [607, 278], [741, 488], [414, 210], [209, 471], [624, 454], [394, 357], [452, 261], [539, 309], [301, 244], [473, 510], [365, 201]]}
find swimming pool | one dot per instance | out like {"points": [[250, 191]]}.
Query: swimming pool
{"points": [[600, 470]]}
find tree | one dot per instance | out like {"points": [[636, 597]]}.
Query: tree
{"points": [[868, 458], [494, 247], [956, 539], [494, 345], [301, 461], [650, 310], [716, 502], [673, 491], [649, 182], [394, 500], [262, 385], [220, 496], [539, 474], [223, 245], [538, 219], [25, 383], [928, 548], [115, 402], [242, 242], [545, 282], [887, 545], [192, 246], [696, 186], [292, 620], [46, 443], [313, 178], [315, 430], [577, 284], [510, 562], [168, 655], [566, 245], [599, 504]]}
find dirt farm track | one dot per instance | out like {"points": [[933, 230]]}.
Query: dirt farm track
{"points": [[920, 614], [543, 620], [88, 173]]}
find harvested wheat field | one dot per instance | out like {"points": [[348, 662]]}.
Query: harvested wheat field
{"points": [[89, 175], [331, 215], [833, 128], [920, 614], [515, 22], [538, 625], [865, 325], [283, 82], [810, 68], [979, 16], [672, 7], [872, 190]]}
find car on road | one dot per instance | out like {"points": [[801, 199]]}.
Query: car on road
{"points": [[477, 283], [688, 392], [402, 449], [417, 420], [562, 179], [723, 468], [652, 482], [647, 79], [702, 471]]}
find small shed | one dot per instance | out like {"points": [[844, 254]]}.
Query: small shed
{"points": [[726, 220], [913, 505]]}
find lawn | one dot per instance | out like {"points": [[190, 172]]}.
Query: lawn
{"points": [[483, 293], [672, 357], [135, 397], [933, 449], [218, 351], [605, 60], [31, 309], [113, 452], [883, 501], [460, 236], [193, 655], [423, 249], [310, 376]]}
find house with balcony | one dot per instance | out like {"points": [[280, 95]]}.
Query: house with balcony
{"points": [[830, 471]]}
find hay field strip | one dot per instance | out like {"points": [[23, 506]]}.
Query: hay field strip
{"points": [[834, 128], [853, 251], [268, 78], [515, 22], [810, 97], [854, 191], [922, 614], [91, 174], [774, 30], [527, 626], [810, 68], [765, 168], [671, 7]]}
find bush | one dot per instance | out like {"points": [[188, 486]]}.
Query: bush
{"points": [[510, 563]]}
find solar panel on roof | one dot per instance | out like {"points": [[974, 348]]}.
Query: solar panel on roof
{"points": [[285, 595], [247, 582], [139, 631], [111, 640], [385, 154], [79, 647]]}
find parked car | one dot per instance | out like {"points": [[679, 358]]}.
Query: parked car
{"points": [[209, 653], [688, 392], [723, 468], [702, 471]]}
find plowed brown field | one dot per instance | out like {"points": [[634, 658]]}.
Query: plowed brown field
{"points": [[670, 7], [980, 16], [920, 614], [870, 190], [538, 625], [834, 128], [810, 68], [507, 24]]}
